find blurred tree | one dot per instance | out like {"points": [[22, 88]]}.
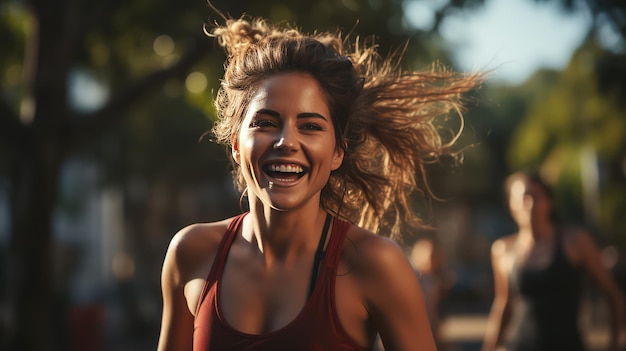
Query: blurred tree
{"points": [[571, 123], [604, 12], [608, 25], [45, 43], [70, 72], [576, 134]]}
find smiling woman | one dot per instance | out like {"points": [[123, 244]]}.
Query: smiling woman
{"points": [[329, 145], [286, 140]]}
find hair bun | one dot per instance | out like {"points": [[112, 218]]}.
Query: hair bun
{"points": [[237, 35]]}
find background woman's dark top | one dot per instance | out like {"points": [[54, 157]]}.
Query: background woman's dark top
{"points": [[551, 298]]}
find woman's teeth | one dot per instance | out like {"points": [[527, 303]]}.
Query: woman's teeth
{"points": [[286, 168]]}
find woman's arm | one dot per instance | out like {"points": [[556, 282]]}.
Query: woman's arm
{"points": [[177, 321], [592, 262], [501, 308], [393, 297]]}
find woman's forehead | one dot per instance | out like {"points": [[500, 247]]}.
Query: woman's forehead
{"points": [[291, 91]]}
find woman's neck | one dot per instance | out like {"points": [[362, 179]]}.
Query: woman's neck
{"points": [[283, 234], [537, 230]]}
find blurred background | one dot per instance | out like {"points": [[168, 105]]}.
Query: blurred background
{"points": [[103, 106]]}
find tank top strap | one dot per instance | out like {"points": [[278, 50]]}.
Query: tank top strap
{"points": [[335, 244], [220, 256]]}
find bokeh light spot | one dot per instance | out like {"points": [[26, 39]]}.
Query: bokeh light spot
{"points": [[196, 82], [163, 45]]}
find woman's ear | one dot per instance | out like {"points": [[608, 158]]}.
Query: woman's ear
{"points": [[235, 150], [337, 158]]}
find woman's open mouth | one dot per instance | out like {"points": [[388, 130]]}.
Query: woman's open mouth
{"points": [[280, 172]]}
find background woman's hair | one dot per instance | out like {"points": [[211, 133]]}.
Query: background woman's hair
{"points": [[383, 116]]}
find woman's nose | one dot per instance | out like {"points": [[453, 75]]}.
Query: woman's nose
{"points": [[529, 201], [287, 140]]}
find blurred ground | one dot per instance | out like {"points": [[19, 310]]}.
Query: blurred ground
{"points": [[464, 332]]}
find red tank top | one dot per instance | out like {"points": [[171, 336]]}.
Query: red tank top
{"points": [[316, 328]]}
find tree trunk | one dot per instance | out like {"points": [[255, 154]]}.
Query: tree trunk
{"points": [[37, 156], [35, 182], [39, 144]]}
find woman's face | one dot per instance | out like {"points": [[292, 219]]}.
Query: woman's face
{"points": [[286, 147], [528, 201]]}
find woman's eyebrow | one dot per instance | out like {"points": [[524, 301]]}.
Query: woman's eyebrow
{"points": [[265, 111], [311, 115]]}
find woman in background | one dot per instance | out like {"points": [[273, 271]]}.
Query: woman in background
{"points": [[329, 146], [542, 265], [429, 261]]}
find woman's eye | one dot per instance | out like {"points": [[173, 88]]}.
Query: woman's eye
{"points": [[310, 126], [262, 124]]}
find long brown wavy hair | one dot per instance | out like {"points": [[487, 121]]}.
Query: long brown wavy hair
{"points": [[383, 116]]}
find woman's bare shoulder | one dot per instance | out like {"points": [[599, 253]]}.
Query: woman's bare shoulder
{"points": [[579, 244], [198, 235], [576, 236], [371, 253], [382, 272], [194, 245], [503, 245]]}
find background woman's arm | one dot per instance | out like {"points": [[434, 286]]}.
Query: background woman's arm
{"points": [[592, 262], [501, 308]]}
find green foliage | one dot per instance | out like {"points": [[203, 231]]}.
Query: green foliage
{"points": [[162, 141], [573, 114], [572, 121], [13, 31]]}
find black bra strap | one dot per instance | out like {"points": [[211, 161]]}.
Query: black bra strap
{"points": [[319, 254]]}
